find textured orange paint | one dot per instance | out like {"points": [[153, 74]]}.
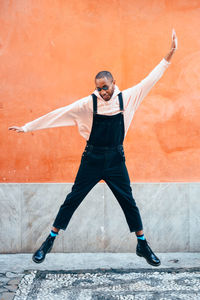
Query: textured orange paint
{"points": [[50, 52]]}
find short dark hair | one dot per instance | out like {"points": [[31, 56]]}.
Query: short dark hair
{"points": [[103, 74]]}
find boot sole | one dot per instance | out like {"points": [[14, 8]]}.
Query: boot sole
{"points": [[150, 263], [36, 261]]}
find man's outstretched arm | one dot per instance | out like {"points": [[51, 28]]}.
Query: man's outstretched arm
{"points": [[147, 83], [64, 116], [60, 117], [137, 93]]}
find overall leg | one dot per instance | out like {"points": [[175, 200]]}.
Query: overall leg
{"points": [[118, 181], [87, 177]]}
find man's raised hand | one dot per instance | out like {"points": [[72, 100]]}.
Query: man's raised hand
{"points": [[173, 48], [174, 40]]}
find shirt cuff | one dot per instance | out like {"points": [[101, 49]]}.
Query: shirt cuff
{"points": [[24, 128], [166, 62]]}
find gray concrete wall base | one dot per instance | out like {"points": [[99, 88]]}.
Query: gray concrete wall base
{"points": [[170, 214]]}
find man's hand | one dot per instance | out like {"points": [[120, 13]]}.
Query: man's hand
{"points": [[174, 46], [16, 128]]}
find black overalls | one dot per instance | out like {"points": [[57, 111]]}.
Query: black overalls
{"points": [[103, 158]]}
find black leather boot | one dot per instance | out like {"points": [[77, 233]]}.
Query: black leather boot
{"points": [[45, 248], [145, 251]]}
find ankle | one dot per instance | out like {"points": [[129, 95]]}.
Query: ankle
{"points": [[140, 237], [53, 233]]}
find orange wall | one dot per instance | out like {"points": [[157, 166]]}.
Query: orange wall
{"points": [[50, 52]]}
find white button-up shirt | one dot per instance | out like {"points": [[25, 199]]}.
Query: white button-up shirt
{"points": [[80, 112]]}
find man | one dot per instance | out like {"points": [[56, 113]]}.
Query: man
{"points": [[103, 119]]}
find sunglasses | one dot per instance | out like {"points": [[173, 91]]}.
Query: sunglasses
{"points": [[105, 88]]}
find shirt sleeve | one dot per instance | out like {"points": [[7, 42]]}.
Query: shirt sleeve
{"points": [[138, 92], [64, 116], [134, 95]]}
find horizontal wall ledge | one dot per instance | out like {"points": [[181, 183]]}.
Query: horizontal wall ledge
{"points": [[170, 214]]}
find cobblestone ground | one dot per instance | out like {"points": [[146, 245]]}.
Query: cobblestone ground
{"points": [[102, 284], [9, 282]]}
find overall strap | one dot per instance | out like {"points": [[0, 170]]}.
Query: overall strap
{"points": [[94, 97], [121, 105]]}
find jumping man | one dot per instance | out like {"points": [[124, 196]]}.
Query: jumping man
{"points": [[103, 119]]}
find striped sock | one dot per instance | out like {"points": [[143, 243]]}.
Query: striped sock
{"points": [[53, 233], [141, 237]]}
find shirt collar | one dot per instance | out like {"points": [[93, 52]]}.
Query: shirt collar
{"points": [[115, 93]]}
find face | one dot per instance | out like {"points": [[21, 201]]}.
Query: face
{"points": [[105, 87]]}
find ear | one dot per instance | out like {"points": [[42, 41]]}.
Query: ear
{"points": [[114, 81]]}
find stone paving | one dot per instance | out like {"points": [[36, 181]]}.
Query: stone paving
{"points": [[9, 282], [163, 284], [110, 285], [110, 277]]}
